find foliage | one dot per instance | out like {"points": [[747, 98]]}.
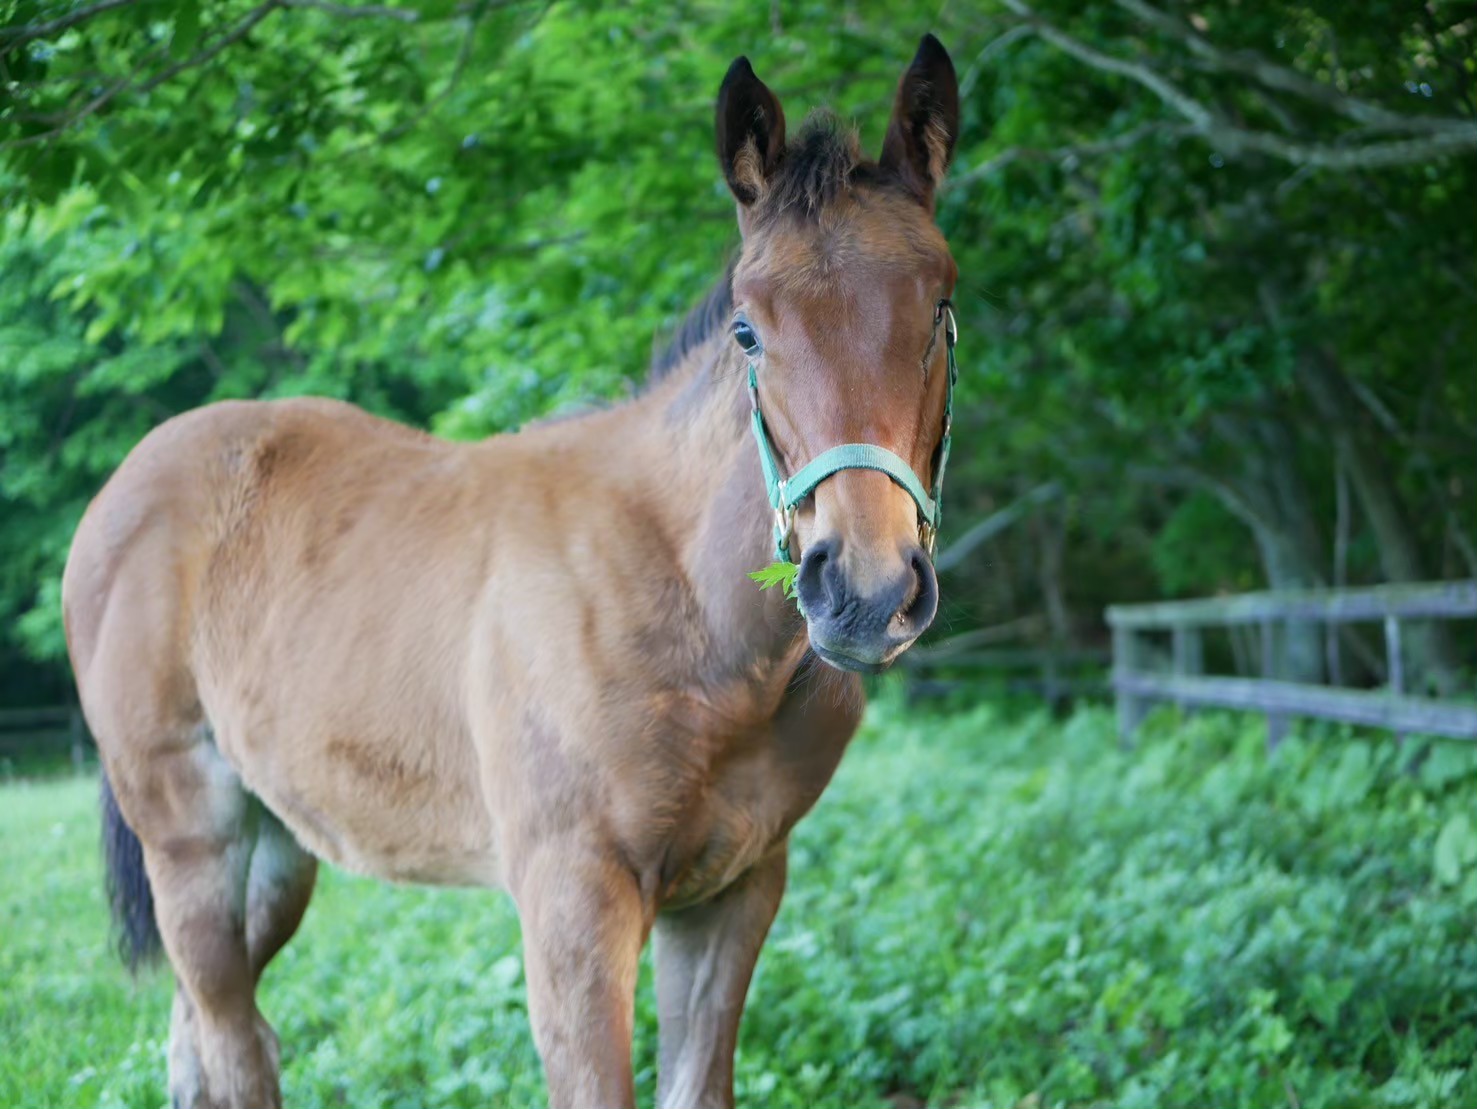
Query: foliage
{"points": [[466, 214], [1168, 301], [464, 220], [983, 911]]}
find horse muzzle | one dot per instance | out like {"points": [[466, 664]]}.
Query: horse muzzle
{"points": [[865, 629]]}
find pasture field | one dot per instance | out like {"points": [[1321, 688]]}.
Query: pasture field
{"points": [[987, 909]]}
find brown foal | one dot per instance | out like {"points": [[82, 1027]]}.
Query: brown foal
{"points": [[536, 662]]}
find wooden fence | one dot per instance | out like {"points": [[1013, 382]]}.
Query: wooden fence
{"points": [[1057, 674], [1136, 687], [40, 731]]}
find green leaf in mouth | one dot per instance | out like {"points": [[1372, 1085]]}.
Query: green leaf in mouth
{"points": [[777, 573]]}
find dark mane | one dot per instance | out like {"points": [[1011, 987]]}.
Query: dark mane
{"points": [[709, 315]]}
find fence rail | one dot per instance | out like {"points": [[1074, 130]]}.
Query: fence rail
{"points": [[1135, 688], [1058, 674], [31, 731], [1438, 600]]}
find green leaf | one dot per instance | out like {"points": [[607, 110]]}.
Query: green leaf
{"points": [[1456, 849], [1447, 763], [186, 29], [1324, 998], [777, 573]]}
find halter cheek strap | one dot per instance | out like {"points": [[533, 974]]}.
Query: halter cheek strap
{"points": [[786, 493]]}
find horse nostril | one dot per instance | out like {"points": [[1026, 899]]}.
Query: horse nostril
{"points": [[921, 601], [817, 580]]}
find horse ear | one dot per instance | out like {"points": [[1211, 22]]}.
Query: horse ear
{"points": [[925, 121], [751, 131]]}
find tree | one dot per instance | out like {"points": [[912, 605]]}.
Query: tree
{"points": [[1216, 257], [1222, 222]]}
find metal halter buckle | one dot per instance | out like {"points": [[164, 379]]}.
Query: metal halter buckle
{"points": [[784, 525], [784, 520]]}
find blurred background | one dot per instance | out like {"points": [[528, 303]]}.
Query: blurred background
{"points": [[1218, 314]]}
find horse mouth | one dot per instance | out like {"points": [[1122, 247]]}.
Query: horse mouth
{"points": [[846, 662]]}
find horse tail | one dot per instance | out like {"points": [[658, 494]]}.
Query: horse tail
{"points": [[129, 892]]}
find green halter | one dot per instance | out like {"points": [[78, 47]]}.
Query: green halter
{"points": [[786, 493]]}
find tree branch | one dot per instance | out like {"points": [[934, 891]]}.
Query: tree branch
{"points": [[458, 68], [1283, 78], [126, 82], [1187, 106], [18, 36], [75, 115], [356, 11], [993, 525], [990, 49], [1076, 151], [1454, 136], [1028, 626], [205, 54]]}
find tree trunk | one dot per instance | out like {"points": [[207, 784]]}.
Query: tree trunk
{"points": [[1051, 533], [1300, 651], [1429, 648], [1270, 496]]}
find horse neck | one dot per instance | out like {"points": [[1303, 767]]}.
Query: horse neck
{"points": [[703, 472]]}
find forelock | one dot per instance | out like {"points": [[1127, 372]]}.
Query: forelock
{"points": [[821, 163]]}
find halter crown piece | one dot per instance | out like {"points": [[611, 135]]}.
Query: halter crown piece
{"points": [[786, 493]]}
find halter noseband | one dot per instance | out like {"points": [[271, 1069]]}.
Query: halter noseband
{"points": [[786, 493]]}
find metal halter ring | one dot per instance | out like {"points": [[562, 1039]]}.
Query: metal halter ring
{"points": [[784, 521], [784, 524], [928, 535], [945, 312]]}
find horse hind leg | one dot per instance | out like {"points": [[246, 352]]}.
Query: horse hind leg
{"points": [[279, 887], [181, 811], [279, 884], [229, 887]]}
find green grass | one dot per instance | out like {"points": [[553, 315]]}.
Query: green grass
{"points": [[983, 911]]}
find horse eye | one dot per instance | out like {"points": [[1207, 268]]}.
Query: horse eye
{"points": [[744, 334]]}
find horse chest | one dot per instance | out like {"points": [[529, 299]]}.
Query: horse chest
{"points": [[747, 803], [725, 833]]}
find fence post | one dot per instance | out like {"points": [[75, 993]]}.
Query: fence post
{"points": [[1276, 722], [75, 732], [1189, 654], [1332, 657], [1125, 663], [1395, 663], [1049, 685], [1241, 650]]}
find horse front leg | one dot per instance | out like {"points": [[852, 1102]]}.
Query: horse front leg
{"points": [[705, 956], [583, 929]]}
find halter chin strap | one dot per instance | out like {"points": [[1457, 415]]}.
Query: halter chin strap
{"points": [[786, 493]]}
